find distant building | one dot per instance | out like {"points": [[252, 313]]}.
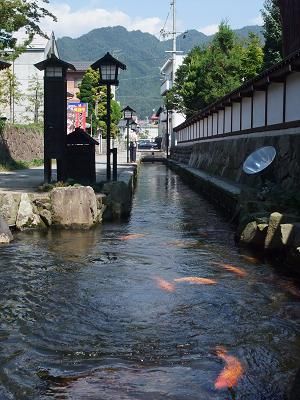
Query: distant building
{"points": [[149, 128], [26, 73], [168, 72], [74, 79]]}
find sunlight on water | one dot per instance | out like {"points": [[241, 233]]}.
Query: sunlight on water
{"points": [[160, 307]]}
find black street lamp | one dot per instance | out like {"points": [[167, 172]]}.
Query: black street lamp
{"points": [[128, 114], [108, 67], [55, 114], [133, 125]]}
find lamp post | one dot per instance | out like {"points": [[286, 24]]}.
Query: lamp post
{"points": [[108, 67], [55, 114], [128, 113]]}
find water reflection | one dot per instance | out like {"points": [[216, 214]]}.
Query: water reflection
{"points": [[161, 307]]}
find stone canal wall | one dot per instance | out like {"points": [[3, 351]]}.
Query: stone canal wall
{"points": [[224, 157], [20, 144], [69, 207], [266, 211]]}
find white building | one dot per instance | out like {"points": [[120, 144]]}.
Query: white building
{"points": [[168, 71], [25, 72]]}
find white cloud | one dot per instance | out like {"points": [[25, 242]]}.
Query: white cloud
{"points": [[257, 20], [209, 29], [75, 23]]}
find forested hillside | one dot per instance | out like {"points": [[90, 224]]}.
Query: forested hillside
{"points": [[143, 54]]}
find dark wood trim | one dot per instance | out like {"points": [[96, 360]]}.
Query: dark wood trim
{"points": [[284, 102], [270, 128], [217, 123], [224, 111], [266, 105], [241, 116], [252, 110], [207, 128], [231, 122]]}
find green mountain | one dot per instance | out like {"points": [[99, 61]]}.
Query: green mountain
{"points": [[143, 55]]}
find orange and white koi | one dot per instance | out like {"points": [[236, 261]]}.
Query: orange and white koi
{"points": [[238, 271], [232, 371], [165, 285], [132, 236], [196, 280]]}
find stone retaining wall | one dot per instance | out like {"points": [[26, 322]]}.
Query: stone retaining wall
{"points": [[225, 157], [20, 144]]}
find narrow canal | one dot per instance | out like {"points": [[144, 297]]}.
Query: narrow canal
{"points": [[161, 307]]}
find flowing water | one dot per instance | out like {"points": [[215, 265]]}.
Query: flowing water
{"points": [[161, 307]]}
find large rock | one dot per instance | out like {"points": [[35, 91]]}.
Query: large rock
{"points": [[26, 217], [74, 207], [273, 238], [118, 200], [5, 233], [9, 206], [254, 234]]}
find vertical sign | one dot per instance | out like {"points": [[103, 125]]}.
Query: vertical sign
{"points": [[76, 116]]}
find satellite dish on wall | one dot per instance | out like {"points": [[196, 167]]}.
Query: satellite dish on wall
{"points": [[259, 160]]}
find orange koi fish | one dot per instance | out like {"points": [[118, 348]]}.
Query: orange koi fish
{"points": [[132, 236], [291, 288], [238, 271], [197, 281], [250, 259], [165, 285], [232, 371]]}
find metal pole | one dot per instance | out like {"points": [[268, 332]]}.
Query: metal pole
{"points": [[167, 135], [108, 170], [127, 141], [115, 164]]}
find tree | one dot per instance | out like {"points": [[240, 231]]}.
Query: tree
{"points": [[272, 31], [95, 96], [35, 97], [210, 72], [20, 14], [10, 93]]}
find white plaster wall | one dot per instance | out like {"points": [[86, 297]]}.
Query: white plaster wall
{"points": [[236, 117], [227, 119], [259, 107], [205, 127], [25, 71], [275, 103], [201, 129], [177, 119], [215, 123], [293, 97], [198, 129], [210, 119], [221, 122], [246, 113]]}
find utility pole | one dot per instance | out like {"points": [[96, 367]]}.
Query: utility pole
{"points": [[174, 51]]}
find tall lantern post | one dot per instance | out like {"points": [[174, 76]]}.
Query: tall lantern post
{"points": [[55, 115], [128, 114], [108, 67]]}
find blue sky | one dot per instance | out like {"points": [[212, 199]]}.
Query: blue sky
{"points": [[77, 17]]}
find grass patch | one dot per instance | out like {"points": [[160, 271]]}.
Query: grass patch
{"points": [[31, 127], [47, 187], [16, 165]]}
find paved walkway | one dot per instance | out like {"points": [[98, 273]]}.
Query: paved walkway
{"points": [[28, 180]]}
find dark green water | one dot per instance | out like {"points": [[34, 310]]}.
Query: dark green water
{"points": [[99, 315]]}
